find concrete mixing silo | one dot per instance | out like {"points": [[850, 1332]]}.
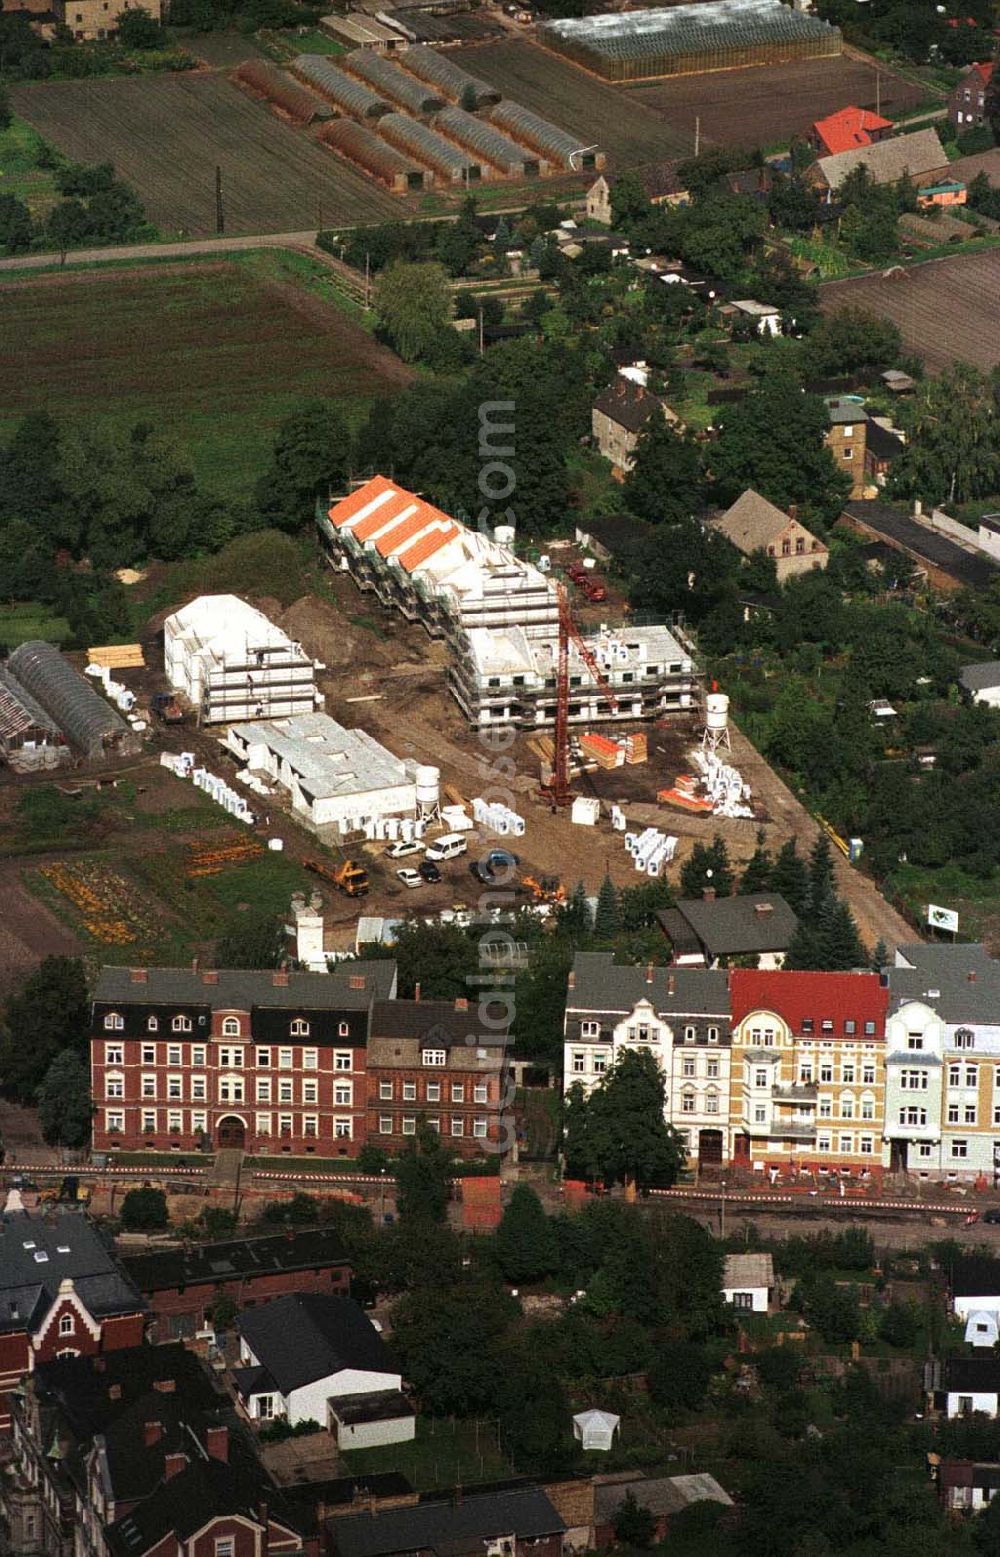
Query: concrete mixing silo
{"points": [[428, 786], [716, 731]]}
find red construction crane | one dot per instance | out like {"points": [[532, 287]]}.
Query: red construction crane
{"points": [[558, 792]]}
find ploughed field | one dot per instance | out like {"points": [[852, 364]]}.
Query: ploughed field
{"points": [[630, 133], [946, 309], [766, 105], [214, 353], [167, 134]]}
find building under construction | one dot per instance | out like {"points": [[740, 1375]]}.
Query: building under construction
{"points": [[231, 662], [508, 677], [690, 39]]}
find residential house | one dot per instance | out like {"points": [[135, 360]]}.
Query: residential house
{"points": [[938, 196], [135, 1452], [974, 1282], [763, 318], [846, 438], [91, 21], [967, 100], [620, 415], [707, 931], [948, 566], [846, 130], [912, 155], [757, 183], [942, 1109], [313, 1357], [63, 1293], [506, 1521], [660, 182], [748, 1282], [231, 662], [808, 1072], [182, 1284], [883, 446], [965, 1486], [663, 1496], [266, 1060], [681, 1016], [753, 524], [442, 1063], [982, 682], [965, 1386]]}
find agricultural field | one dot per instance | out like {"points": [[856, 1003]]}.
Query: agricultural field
{"points": [[167, 134], [630, 133], [946, 309], [766, 105], [214, 352]]}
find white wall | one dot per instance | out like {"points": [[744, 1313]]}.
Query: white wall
{"points": [[759, 1295], [982, 1329], [373, 1435], [309, 1402], [990, 696], [987, 1404], [964, 1307]]}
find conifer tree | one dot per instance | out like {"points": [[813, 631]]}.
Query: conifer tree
{"points": [[607, 920]]}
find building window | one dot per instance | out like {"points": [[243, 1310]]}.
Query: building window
{"points": [[409, 1091], [913, 1116], [925, 1151], [808, 1024], [434, 1092], [458, 1127], [690, 1035], [434, 1124], [479, 1129], [231, 1089], [342, 1059], [846, 1106], [67, 1324], [149, 1121], [149, 1054], [225, 1545], [965, 1038], [343, 1030], [847, 1073], [114, 1054], [148, 1086], [285, 1124], [435, 1057], [826, 1071], [850, 1027], [760, 1114], [310, 1125], [385, 1091], [846, 1145], [114, 1023], [310, 1094], [175, 1121], [409, 1124], [153, 1024], [970, 1114], [385, 1124], [826, 1108], [114, 1086], [689, 1065], [971, 1076], [760, 1078], [199, 1121], [181, 1024], [954, 1075], [263, 1059], [199, 1089], [867, 1145], [198, 1054], [457, 1092], [868, 1075], [579, 1062], [711, 1102], [913, 1080], [285, 1090], [310, 1059], [230, 1027], [712, 1067], [175, 1087], [284, 1059], [687, 1101], [482, 1092], [806, 1073], [263, 1124], [263, 1089], [868, 1107], [299, 1028], [823, 1143], [231, 1059], [114, 1121], [589, 1029], [713, 1035], [960, 1149], [869, 1029], [343, 1093]]}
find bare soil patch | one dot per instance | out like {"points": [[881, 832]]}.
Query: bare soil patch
{"points": [[945, 309]]}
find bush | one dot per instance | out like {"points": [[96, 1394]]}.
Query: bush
{"points": [[144, 1209], [372, 1159], [280, 1430]]}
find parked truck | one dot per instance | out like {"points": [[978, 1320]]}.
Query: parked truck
{"points": [[349, 878]]}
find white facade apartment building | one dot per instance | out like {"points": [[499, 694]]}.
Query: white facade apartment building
{"points": [[681, 1015], [943, 1062], [231, 662]]}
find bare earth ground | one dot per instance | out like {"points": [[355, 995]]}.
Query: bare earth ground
{"points": [[766, 105], [627, 130], [28, 931], [947, 309], [166, 135]]}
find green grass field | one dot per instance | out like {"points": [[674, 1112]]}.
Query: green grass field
{"points": [[26, 620], [215, 353], [445, 1453], [20, 174]]}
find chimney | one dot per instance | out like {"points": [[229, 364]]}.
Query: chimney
{"points": [[416, 990], [793, 510], [279, 978], [709, 894], [173, 1464], [115, 1392], [210, 976], [152, 1432], [137, 975], [649, 973], [461, 1004], [165, 1386], [100, 1364], [972, 975], [217, 1444]]}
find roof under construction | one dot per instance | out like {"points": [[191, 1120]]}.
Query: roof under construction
{"points": [[20, 715], [449, 77], [351, 96], [387, 77], [86, 719]]}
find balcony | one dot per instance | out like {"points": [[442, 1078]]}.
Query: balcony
{"points": [[782, 1130], [799, 1092]]}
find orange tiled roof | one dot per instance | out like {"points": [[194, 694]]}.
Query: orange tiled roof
{"points": [[407, 528], [848, 129], [428, 544], [343, 512]]}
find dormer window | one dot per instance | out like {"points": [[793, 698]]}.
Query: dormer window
{"points": [[152, 1024], [689, 1035], [113, 1023], [181, 1024], [230, 1027], [435, 1057], [299, 1028], [343, 1030], [590, 1029]]}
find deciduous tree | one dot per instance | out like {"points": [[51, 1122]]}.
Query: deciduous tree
{"points": [[413, 306], [65, 1107], [51, 1013], [619, 1133]]}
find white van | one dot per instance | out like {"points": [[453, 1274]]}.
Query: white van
{"points": [[446, 848]]}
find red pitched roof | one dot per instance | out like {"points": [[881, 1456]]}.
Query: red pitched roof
{"points": [[346, 509], [848, 128], [983, 69], [427, 545], [812, 997]]}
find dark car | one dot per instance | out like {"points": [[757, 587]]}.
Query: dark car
{"points": [[991, 1216], [497, 861], [429, 871]]}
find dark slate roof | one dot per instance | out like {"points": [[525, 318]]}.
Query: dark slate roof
{"points": [[976, 678], [972, 1375], [601, 984], [446, 1525], [628, 404], [437, 1022], [960, 982], [244, 989], [898, 525], [379, 1405], [679, 933], [310, 1336], [312, 1248], [37, 1252], [733, 926], [92, 1392], [885, 445], [975, 1275]]}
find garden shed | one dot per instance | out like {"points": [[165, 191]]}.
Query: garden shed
{"points": [[596, 1429]]}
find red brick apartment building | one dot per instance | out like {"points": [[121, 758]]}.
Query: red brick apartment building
{"points": [[303, 1063], [62, 1294], [267, 1061]]}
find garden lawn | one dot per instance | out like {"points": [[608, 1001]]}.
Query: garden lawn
{"points": [[445, 1453], [20, 174]]}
